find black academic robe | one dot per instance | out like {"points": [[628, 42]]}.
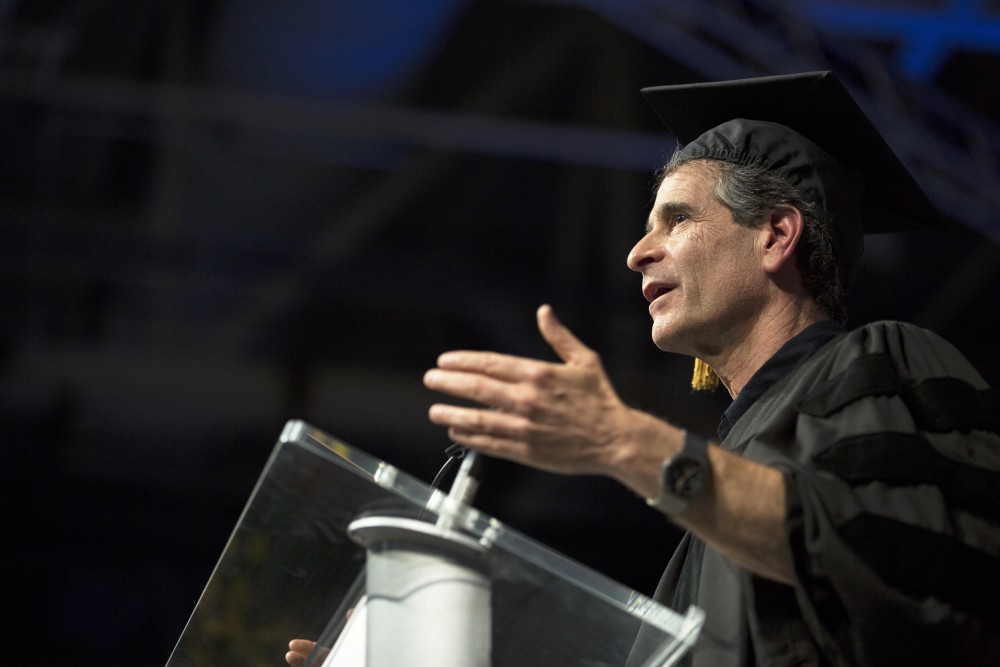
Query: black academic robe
{"points": [[888, 442]]}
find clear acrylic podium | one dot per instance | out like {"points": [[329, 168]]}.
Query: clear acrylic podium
{"points": [[339, 547]]}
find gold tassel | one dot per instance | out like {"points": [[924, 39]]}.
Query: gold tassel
{"points": [[704, 378]]}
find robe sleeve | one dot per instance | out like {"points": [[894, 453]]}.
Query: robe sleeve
{"points": [[893, 504]]}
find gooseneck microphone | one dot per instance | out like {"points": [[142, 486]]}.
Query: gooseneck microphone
{"points": [[471, 462]]}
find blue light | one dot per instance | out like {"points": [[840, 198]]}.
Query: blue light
{"points": [[926, 37], [342, 49]]}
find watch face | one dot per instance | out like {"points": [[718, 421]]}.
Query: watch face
{"points": [[686, 477]]}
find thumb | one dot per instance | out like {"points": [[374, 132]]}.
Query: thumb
{"points": [[560, 339]]}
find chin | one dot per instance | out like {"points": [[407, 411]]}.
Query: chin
{"points": [[665, 340], [667, 346], [669, 337]]}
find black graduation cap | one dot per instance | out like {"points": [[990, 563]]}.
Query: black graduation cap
{"points": [[808, 128]]}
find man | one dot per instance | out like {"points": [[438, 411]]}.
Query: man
{"points": [[847, 513]]}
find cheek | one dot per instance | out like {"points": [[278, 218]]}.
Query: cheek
{"points": [[723, 280], [741, 279]]}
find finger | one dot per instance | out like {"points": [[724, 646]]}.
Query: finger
{"points": [[490, 445], [500, 366], [514, 450], [487, 422], [303, 646], [295, 659], [560, 339], [476, 387]]}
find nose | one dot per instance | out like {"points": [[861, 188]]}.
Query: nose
{"points": [[646, 251]]}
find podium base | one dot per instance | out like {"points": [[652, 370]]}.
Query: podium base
{"points": [[428, 594]]}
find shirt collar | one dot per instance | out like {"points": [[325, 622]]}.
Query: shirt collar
{"points": [[795, 352]]}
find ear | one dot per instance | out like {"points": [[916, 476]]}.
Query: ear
{"points": [[780, 234]]}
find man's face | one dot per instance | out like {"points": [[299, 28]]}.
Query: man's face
{"points": [[700, 270]]}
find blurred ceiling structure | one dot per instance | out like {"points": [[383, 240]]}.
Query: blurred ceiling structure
{"points": [[221, 215]]}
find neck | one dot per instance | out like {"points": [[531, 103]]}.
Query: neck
{"points": [[749, 349]]}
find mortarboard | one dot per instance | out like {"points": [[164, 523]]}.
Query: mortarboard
{"points": [[807, 128]]}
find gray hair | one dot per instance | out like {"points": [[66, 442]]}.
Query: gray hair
{"points": [[751, 192]]}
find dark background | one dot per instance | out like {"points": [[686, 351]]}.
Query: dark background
{"points": [[221, 215]]}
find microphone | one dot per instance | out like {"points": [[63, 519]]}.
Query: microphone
{"points": [[469, 476], [456, 453], [465, 485]]}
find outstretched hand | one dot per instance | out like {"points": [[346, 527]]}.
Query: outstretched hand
{"points": [[558, 416], [566, 417]]}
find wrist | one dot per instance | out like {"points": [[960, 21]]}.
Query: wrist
{"points": [[636, 458], [683, 477]]}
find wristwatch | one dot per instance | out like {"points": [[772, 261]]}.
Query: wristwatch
{"points": [[683, 476]]}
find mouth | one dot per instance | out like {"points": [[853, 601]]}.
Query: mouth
{"points": [[654, 291]]}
